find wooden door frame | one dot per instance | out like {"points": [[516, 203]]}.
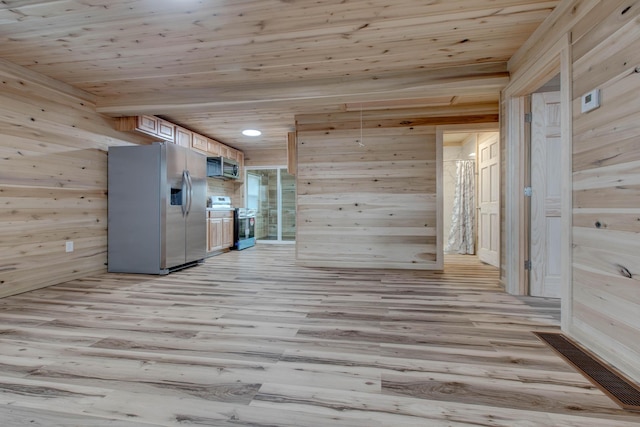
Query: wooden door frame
{"points": [[461, 128], [554, 60]]}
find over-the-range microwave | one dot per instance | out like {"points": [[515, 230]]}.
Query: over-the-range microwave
{"points": [[222, 167]]}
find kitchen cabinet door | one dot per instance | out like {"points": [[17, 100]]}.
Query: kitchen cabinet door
{"points": [[166, 130], [227, 232], [200, 143], [214, 234], [183, 137], [213, 148], [155, 126], [147, 124]]}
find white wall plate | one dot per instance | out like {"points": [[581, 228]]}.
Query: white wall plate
{"points": [[590, 100]]}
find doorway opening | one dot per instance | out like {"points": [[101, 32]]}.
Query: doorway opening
{"points": [[271, 191], [459, 193], [471, 191], [518, 230]]}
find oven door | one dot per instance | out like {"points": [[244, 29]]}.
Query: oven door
{"points": [[246, 227]]}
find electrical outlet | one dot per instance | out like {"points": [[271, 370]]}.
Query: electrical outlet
{"points": [[69, 246]]}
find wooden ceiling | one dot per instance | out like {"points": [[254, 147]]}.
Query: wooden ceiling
{"points": [[219, 66]]}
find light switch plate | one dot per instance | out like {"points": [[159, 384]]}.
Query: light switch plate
{"points": [[590, 100], [68, 246]]}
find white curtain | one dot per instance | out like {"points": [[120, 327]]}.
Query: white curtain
{"points": [[461, 236]]}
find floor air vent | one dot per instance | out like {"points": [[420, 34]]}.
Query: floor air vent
{"points": [[623, 392]]}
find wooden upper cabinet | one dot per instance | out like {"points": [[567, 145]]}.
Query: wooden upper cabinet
{"points": [[148, 124], [214, 147], [163, 129], [183, 137], [200, 143], [166, 130], [217, 149], [225, 151]]}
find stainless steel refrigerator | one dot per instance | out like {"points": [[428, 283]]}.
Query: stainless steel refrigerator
{"points": [[156, 208]]}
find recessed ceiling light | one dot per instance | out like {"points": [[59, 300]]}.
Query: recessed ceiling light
{"points": [[251, 132]]}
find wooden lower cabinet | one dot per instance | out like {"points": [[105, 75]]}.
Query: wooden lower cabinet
{"points": [[227, 232], [214, 234], [219, 230]]}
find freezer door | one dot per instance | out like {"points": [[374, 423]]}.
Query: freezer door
{"points": [[134, 223], [196, 217], [175, 201]]}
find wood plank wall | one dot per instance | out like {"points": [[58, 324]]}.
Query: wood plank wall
{"points": [[266, 157], [227, 187], [603, 298], [53, 181], [368, 192], [606, 185]]}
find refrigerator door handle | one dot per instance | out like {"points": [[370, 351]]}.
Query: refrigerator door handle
{"points": [[190, 181], [185, 192], [190, 191]]}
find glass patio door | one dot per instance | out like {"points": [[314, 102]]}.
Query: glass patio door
{"points": [[272, 192]]}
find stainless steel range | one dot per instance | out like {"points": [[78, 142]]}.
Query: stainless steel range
{"points": [[244, 228]]}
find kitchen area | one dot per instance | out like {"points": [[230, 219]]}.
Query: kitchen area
{"points": [[175, 201]]}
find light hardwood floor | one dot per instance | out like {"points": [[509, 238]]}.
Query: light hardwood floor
{"points": [[250, 339]]}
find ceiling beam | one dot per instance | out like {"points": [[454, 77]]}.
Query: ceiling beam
{"points": [[474, 79]]}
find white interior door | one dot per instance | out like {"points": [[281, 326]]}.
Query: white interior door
{"points": [[489, 199], [546, 180]]}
